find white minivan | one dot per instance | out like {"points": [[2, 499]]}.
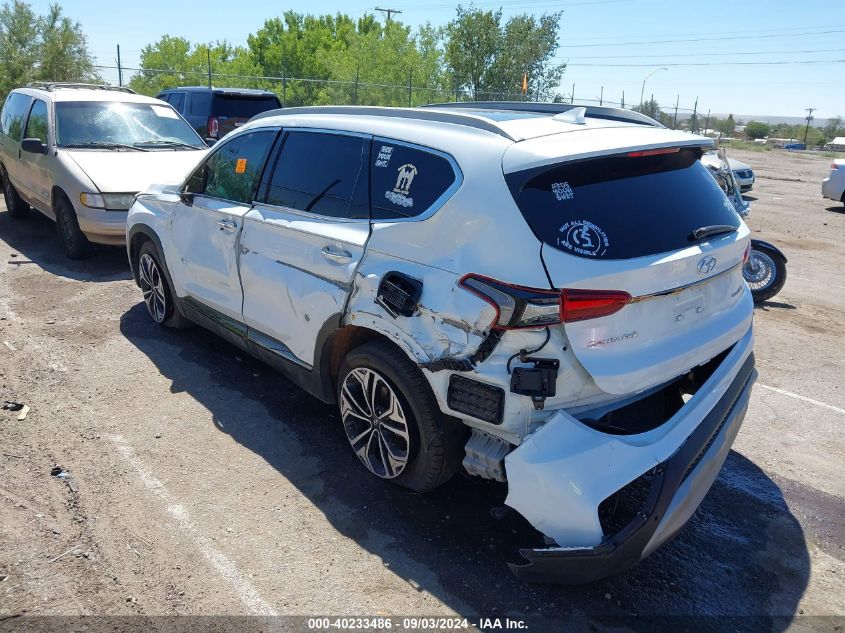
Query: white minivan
{"points": [[546, 295], [79, 153]]}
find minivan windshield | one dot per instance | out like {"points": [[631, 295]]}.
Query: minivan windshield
{"points": [[121, 125]]}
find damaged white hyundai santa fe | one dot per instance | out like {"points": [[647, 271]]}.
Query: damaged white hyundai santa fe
{"points": [[545, 295]]}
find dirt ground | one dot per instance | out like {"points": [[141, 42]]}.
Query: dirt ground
{"points": [[204, 483]]}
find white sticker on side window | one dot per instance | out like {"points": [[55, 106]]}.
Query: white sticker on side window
{"points": [[165, 112], [399, 196], [583, 237], [563, 191], [384, 155]]}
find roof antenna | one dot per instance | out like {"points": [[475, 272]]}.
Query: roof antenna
{"points": [[577, 116]]}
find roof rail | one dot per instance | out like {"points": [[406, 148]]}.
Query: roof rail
{"points": [[50, 86], [419, 114], [593, 111]]}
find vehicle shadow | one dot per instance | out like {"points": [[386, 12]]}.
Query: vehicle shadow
{"points": [[748, 198], [837, 208], [766, 305], [34, 239], [742, 555]]}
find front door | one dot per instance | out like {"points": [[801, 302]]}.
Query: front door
{"points": [[206, 228], [303, 241]]}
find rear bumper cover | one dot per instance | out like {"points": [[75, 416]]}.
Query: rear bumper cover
{"points": [[677, 487]]}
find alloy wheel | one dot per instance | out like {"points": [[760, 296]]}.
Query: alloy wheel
{"points": [[759, 271], [152, 285], [375, 422]]}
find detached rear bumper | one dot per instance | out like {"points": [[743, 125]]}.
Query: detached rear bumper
{"points": [[671, 490]]}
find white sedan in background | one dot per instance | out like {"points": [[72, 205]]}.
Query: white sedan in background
{"points": [[833, 186], [743, 173]]}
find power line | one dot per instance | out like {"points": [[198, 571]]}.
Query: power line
{"points": [[778, 63], [388, 12], [817, 50], [702, 39]]}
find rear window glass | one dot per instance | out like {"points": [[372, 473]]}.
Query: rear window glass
{"points": [[199, 103], [620, 207], [239, 106], [406, 180]]}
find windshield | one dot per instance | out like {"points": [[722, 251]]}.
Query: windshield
{"points": [[128, 125]]}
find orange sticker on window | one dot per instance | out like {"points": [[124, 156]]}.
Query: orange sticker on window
{"points": [[240, 166]]}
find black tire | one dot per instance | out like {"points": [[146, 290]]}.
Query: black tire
{"points": [[15, 205], [73, 240], [151, 273], [435, 443], [778, 279]]}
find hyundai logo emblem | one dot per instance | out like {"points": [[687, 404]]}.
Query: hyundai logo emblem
{"points": [[706, 265]]}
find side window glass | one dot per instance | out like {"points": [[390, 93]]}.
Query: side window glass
{"points": [[14, 114], [319, 173], [232, 171], [36, 126], [177, 100], [405, 180], [200, 103]]}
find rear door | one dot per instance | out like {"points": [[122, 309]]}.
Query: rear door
{"points": [[656, 225], [302, 244], [205, 235]]}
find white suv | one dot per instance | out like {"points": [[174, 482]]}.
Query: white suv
{"points": [[547, 295], [79, 153]]}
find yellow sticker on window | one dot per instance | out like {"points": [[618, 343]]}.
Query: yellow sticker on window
{"points": [[240, 166]]}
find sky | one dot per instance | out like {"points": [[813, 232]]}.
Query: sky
{"points": [[710, 51]]}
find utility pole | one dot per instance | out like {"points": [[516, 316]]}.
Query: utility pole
{"points": [[601, 96], [410, 84], [623, 99], [675, 122], [388, 12], [357, 74], [694, 121], [707, 121], [119, 68], [572, 96], [807, 129], [208, 57]]}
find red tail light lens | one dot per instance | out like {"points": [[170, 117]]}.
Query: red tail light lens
{"points": [[213, 126], [654, 152], [579, 305], [519, 307]]}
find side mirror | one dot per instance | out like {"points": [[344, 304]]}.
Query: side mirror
{"points": [[187, 198], [33, 146], [210, 141]]}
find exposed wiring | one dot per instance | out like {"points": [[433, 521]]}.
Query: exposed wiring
{"points": [[523, 353]]}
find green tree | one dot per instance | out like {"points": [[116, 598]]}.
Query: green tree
{"points": [[757, 129], [46, 48], [489, 59], [831, 127]]}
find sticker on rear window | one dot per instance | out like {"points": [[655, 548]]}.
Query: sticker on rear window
{"points": [[240, 166], [563, 191], [399, 196], [583, 237]]}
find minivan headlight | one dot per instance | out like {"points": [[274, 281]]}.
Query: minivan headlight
{"points": [[116, 201]]}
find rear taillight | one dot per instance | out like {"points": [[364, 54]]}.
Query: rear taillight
{"points": [[579, 305], [213, 126], [835, 166], [654, 152], [520, 307]]}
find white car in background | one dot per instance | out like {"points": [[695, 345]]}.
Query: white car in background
{"points": [[743, 173], [79, 153], [833, 186], [506, 289]]}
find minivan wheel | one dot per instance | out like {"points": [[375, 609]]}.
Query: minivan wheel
{"points": [[392, 421], [73, 239], [15, 205], [155, 286]]}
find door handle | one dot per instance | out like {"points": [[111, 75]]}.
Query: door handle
{"points": [[329, 252], [227, 225]]}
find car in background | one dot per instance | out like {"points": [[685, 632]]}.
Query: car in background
{"points": [[214, 112], [79, 153], [833, 186], [743, 173], [459, 281]]}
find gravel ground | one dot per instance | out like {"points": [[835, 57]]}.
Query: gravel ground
{"points": [[204, 483]]}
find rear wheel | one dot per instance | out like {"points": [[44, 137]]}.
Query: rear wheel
{"points": [[73, 239], [392, 420], [15, 205]]}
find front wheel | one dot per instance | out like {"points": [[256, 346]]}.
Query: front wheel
{"points": [[73, 239], [765, 274], [158, 294], [392, 421]]}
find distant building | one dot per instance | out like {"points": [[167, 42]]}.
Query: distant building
{"points": [[836, 145]]}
